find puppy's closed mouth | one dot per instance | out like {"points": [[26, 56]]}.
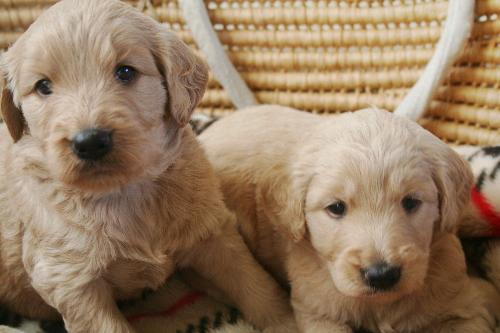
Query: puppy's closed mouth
{"points": [[377, 292], [379, 295]]}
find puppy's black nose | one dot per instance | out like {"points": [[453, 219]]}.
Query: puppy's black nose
{"points": [[382, 276], [92, 144]]}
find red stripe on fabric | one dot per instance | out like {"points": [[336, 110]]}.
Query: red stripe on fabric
{"points": [[181, 303], [486, 210]]}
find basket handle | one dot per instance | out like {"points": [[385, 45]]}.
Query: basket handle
{"points": [[459, 21], [205, 37]]}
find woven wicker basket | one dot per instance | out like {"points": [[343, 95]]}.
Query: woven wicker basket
{"points": [[328, 57]]}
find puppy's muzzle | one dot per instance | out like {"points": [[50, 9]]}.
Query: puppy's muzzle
{"points": [[92, 144], [381, 277]]}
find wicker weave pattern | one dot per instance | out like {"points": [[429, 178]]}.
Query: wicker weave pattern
{"points": [[329, 57]]}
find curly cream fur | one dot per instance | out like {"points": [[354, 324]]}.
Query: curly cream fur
{"points": [[77, 234]]}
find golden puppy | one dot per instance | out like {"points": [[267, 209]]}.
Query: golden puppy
{"points": [[358, 213], [104, 189]]}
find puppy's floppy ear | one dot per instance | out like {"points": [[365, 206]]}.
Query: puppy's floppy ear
{"points": [[453, 178], [11, 114], [186, 75], [281, 197]]}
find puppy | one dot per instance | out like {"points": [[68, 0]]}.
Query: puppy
{"points": [[357, 214], [104, 189]]}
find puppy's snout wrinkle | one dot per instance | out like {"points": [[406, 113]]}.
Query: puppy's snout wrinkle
{"points": [[92, 144], [382, 276]]}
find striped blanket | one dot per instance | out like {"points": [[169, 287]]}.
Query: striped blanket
{"points": [[174, 308]]}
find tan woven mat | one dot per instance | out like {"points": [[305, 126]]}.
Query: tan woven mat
{"points": [[332, 56]]}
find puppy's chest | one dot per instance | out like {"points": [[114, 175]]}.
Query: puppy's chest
{"points": [[133, 242], [384, 317]]}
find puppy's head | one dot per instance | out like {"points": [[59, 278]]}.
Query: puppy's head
{"points": [[370, 190], [103, 89]]}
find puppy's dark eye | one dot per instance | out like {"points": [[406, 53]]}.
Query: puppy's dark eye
{"points": [[125, 74], [44, 87], [337, 209], [410, 204]]}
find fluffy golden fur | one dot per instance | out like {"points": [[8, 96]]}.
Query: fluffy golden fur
{"points": [[78, 231], [357, 214]]}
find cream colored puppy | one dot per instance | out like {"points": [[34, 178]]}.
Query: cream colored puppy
{"points": [[104, 189], [357, 213]]}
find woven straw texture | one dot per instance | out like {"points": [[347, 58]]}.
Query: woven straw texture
{"points": [[328, 57]]}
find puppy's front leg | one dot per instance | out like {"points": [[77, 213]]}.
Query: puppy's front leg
{"points": [[80, 294], [226, 262]]}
